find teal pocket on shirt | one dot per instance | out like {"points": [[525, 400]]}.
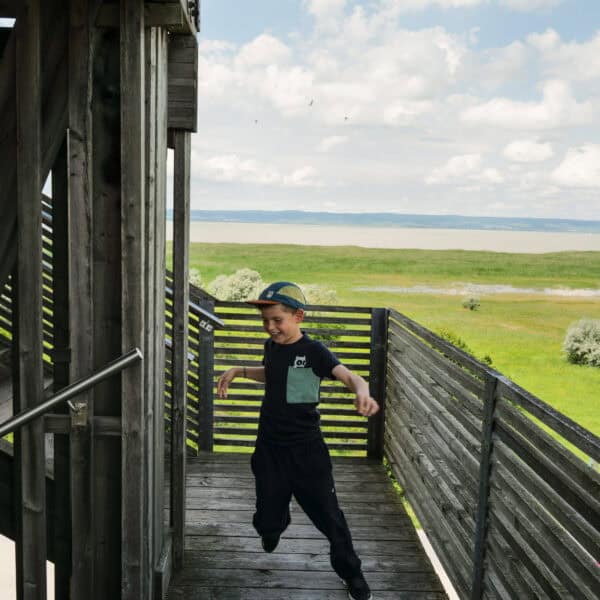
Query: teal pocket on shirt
{"points": [[302, 386]]}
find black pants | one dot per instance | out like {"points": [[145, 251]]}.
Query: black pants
{"points": [[305, 472]]}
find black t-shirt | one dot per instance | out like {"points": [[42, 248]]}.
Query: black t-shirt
{"points": [[293, 373]]}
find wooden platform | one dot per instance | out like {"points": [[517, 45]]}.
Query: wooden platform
{"points": [[224, 559]]}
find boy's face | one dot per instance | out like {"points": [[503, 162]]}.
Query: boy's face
{"points": [[281, 324]]}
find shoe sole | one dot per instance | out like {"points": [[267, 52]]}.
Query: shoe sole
{"points": [[351, 597]]}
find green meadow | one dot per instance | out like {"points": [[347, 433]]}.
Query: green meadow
{"points": [[522, 333]]}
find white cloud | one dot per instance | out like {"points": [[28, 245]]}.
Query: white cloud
{"points": [[328, 143], [263, 50], [325, 9], [302, 177], [233, 168], [557, 108], [465, 169], [529, 5], [580, 168], [456, 167], [359, 103], [575, 61], [404, 6], [528, 151]]}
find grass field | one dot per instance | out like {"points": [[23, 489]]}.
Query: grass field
{"points": [[522, 333]]}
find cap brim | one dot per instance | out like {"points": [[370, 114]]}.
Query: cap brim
{"points": [[263, 302]]}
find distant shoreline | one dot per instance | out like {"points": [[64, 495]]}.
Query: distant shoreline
{"points": [[395, 220], [534, 242]]}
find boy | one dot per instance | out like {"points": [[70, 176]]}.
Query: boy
{"points": [[290, 456]]}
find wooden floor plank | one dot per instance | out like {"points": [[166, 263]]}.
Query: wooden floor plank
{"points": [[224, 559]]}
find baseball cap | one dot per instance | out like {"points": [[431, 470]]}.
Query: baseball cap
{"points": [[281, 292]]}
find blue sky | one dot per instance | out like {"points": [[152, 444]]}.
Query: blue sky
{"points": [[480, 107]]}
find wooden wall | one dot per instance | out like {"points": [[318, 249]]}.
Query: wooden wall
{"points": [[509, 508], [91, 104]]}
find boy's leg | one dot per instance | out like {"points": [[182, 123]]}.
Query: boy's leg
{"points": [[314, 488], [273, 490]]}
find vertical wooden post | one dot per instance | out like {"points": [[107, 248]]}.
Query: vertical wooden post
{"points": [[181, 296], [134, 576], [60, 359], [377, 370], [151, 298], [78, 236], [29, 442], [206, 373], [489, 409], [160, 170], [106, 322]]}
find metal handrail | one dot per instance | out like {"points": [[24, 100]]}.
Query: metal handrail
{"points": [[71, 391]]}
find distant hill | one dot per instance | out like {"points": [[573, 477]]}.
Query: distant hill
{"points": [[294, 217]]}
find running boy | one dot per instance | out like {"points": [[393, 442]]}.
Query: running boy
{"points": [[290, 456]]}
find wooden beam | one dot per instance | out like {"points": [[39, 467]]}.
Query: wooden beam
{"points": [[9, 9], [206, 374], [377, 371], [183, 82], [160, 173], [29, 442], [181, 237], [80, 286], [54, 122], [106, 267], [135, 575], [60, 360], [170, 15], [489, 399]]}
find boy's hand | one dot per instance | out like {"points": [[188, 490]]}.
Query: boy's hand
{"points": [[366, 405], [225, 380]]}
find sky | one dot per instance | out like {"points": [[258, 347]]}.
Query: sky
{"points": [[473, 107]]}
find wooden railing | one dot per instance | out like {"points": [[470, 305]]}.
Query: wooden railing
{"points": [[509, 509], [232, 423]]}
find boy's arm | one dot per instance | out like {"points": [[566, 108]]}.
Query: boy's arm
{"points": [[364, 403], [255, 373]]}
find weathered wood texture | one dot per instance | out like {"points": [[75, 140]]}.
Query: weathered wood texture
{"points": [[224, 559], [183, 86], [509, 509], [345, 330], [31, 540], [181, 232], [76, 234], [53, 40], [106, 334], [135, 567]]}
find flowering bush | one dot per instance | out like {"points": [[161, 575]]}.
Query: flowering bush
{"points": [[318, 294], [196, 278], [244, 284], [582, 342]]}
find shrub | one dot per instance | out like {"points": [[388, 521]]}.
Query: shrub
{"points": [[582, 342], [196, 278], [457, 341], [244, 284], [471, 303], [319, 294]]}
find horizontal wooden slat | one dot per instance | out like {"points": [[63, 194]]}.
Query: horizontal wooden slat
{"points": [[583, 439]]}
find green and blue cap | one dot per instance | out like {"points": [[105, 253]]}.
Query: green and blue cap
{"points": [[281, 292]]}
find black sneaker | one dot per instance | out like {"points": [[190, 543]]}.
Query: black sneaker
{"points": [[270, 541], [358, 588]]}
